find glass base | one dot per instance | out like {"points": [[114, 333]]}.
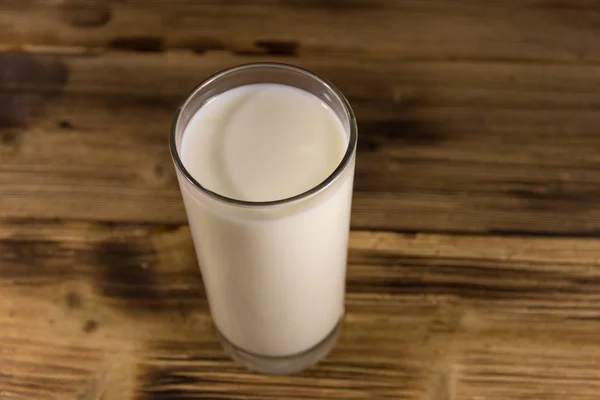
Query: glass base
{"points": [[286, 364]]}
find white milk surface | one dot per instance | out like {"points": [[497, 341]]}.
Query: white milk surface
{"points": [[275, 284]]}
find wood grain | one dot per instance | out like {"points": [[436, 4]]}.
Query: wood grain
{"points": [[89, 308], [491, 374], [444, 146], [474, 267], [559, 30]]}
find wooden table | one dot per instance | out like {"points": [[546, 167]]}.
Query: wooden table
{"points": [[474, 256]]}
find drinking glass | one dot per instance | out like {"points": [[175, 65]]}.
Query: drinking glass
{"points": [[274, 271]]}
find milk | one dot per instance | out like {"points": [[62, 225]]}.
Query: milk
{"points": [[274, 275]]}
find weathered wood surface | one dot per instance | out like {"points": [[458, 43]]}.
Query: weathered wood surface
{"points": [[444, 146], [547, 30], [474, 260], [96, 309]]}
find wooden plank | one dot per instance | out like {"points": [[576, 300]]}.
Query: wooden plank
{"points": [[103, 309], [444, 146], [529, 30], [521, 280], [532, 372]]}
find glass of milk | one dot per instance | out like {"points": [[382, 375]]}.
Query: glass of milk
{"points": [[265, 158]]}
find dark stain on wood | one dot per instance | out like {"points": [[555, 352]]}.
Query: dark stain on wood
{"points": [[121, 277], [377, 134], [144, 44], [9, 138], [90, 326], [28, 221], [272, 47], [174, 384], [85, 14], [26, 255], [337, 6], [159, 171], [202, 45], [471, 279], [592, 233], [279, 47], [591, 283], [446, 275], [73, 300], [64, 124], [458, 289], [163, 379], [27, 83], [154, 378], [553, 196]]}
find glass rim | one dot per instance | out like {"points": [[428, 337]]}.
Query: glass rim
{"points": [[341, 167]]}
